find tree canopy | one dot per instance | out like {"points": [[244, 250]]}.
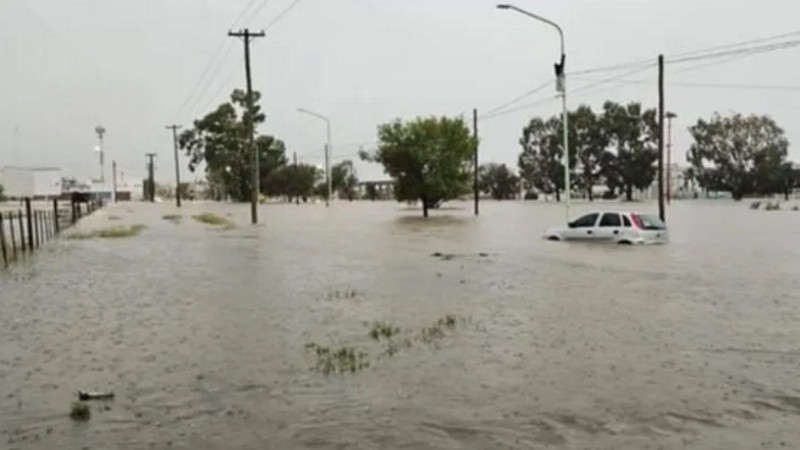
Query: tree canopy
{"points": [[344, 179], [741, 154], [428, 158], [295, 182], [219, 141], [498, 180]]}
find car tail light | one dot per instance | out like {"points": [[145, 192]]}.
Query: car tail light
{"points": [[637, 221]]}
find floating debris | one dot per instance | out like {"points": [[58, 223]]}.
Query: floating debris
{"points": [[87, 395], [755, 205]]}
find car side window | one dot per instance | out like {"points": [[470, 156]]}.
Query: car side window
{"points": [[627, 221], [610, 220], [586, 221]]}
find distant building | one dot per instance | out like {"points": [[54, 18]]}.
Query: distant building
{"points": [[38, 183]]}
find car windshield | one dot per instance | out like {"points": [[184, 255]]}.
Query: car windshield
{"points": [[652, 223]]}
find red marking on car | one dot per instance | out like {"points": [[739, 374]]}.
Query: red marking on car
{"points": [[637, 221]]}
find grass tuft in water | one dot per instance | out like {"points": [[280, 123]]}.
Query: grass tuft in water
{"points": [[342, 360], [383, 330], [174, 218], [214, 220], [120, 231], [437, 330], [80, 412]]}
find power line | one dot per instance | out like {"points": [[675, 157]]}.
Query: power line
{"points": [[735, 52], [282, 14], [517, 99], [738, 44]]}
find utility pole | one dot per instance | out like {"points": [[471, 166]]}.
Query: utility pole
{"points": [[670, 115], [248, 35], [114, 180], [475, 157], [175, 129], [151, 177], [661, 212], [296, 174]]}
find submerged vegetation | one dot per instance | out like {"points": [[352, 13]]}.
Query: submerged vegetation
{"points": [[347, 359], [120, 231], [174, 218], [80, 412], [214, 220]]}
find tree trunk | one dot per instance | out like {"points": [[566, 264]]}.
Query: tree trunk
{"points": [[425, 206], [629, 192], [591, 194], [558, 195], [786, 195]]}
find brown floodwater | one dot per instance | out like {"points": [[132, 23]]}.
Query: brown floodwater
{"points": [[201, 332]]}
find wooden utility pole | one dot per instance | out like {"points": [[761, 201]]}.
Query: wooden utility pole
{"points": [[151, 177], [247, 35], [175, 129], [661, 210], [475, 158], [296, 174]]}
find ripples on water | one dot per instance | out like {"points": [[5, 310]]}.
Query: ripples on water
{"points": [[201, 333]]}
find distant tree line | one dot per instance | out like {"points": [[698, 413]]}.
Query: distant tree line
{"points": [[745, 155]]}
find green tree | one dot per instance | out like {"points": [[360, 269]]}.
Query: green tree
{"points": [[429, 158], [633, 134], [220, 142], [498, 180], [746, 154], [344, 179], [589, 142], [293, 182], [540, 162], [2, 193]]}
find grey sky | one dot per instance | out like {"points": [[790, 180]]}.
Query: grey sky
{"points": [[130, 65]]}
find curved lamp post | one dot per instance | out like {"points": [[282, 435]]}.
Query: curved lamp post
{"points": [[327, 151]]}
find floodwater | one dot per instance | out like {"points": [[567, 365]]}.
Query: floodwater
{"points": [[201, 332]]}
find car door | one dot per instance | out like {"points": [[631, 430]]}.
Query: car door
{"points": [[610, 227], [582, 227]]}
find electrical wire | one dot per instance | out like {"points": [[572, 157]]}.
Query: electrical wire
{"points": [[517, 99]]}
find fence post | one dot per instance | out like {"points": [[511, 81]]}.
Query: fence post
{"points": [[13, 238], [21, 233], [3, 240], [55, 216], [36, 228], [29, 215]]}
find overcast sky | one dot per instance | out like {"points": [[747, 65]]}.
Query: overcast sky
{"points": [[134, 67]]}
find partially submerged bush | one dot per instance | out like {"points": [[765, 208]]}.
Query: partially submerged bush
{"points": [[383, 330], [214, 220], [120, 231], [342, 360], [436, 331], [80, 411], [174, 218]]}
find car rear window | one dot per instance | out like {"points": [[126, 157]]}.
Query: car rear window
{"points": [[626, 221], [652, 223], [610, 220]]}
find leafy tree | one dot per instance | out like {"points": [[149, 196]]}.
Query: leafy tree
{"points": [[293, 182], [220, 141], [633, 133], [2, 193], [540, 162], [344, 179], [371, 191], [589, 141], [746, 154], [429, 158], [498, 180]]}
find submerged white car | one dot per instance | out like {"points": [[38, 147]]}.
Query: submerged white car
{"points": [[614, 226]]}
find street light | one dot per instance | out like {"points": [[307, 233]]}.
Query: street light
{"points": [[100, 130], [561, 87], [670, 115], [327, 151]]}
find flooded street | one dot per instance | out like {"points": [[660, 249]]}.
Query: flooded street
{"points": [[201, 332]]}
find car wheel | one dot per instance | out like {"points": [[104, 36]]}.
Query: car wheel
{"points": [[553, 238], [624, 242]]}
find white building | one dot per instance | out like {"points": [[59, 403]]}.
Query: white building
{"points": [[33, 182]]}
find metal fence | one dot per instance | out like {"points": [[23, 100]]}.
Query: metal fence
{"points": [[27, 229]]}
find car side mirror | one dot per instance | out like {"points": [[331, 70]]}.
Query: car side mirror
{"points": [[571, 224]]}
